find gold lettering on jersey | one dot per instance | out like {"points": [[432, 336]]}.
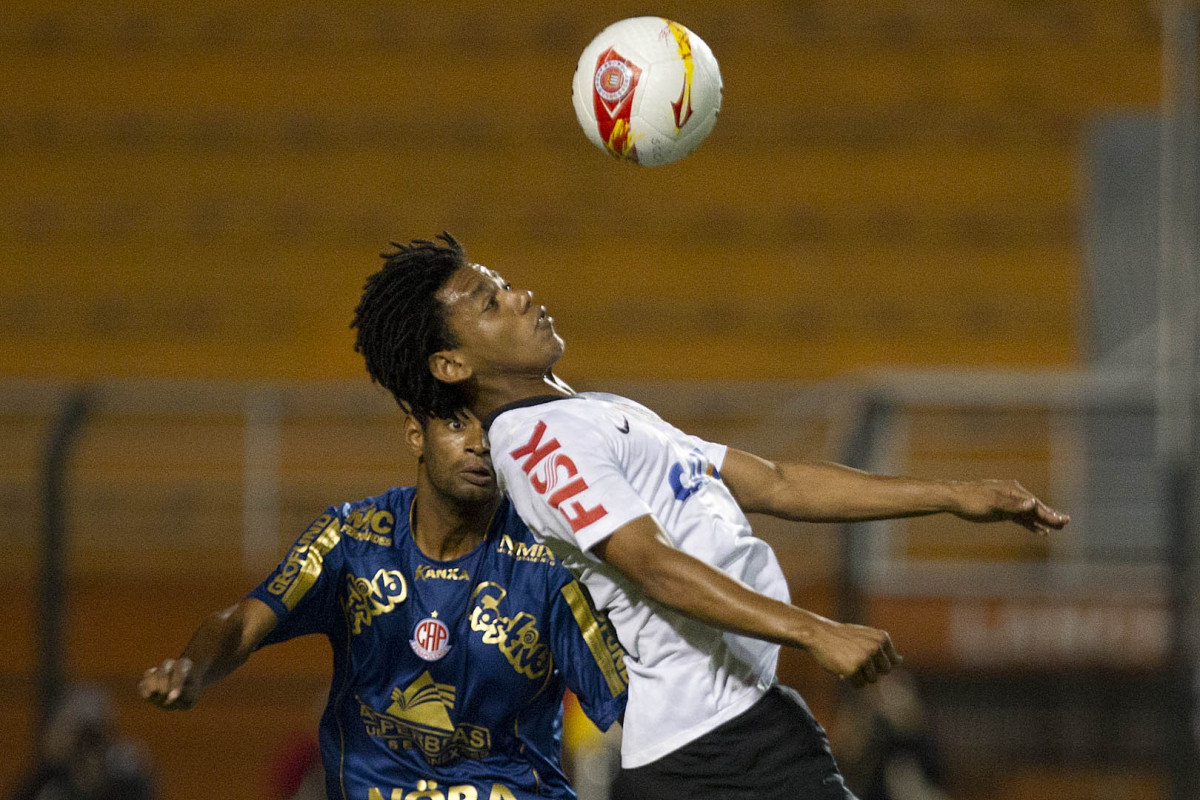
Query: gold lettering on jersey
{"points": [[367, 599], [517, 637], [600, 638], [305, 560], [419, 719], [535, 553], [370, 525], [428, 790], [426, 573]]}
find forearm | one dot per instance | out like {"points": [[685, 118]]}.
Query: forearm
{"points": [[701, 592], [219, 646], [641, 551], [707, 595], [827, 492]]}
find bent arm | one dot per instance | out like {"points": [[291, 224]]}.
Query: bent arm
{"points": [[827, 492], [641, 551], [220, 645]]}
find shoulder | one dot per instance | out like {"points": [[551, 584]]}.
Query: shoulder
{"points": [[375, 520], [571, 421]]}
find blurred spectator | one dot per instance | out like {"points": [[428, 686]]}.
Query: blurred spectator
{"points": [[295, 771], [885, 746], [81, 757]]}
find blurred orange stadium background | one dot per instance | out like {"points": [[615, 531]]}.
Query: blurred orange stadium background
{"points": [[196, 191]]}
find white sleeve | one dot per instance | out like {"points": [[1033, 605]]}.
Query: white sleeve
{"points": [[715, 453], [567, 481]]}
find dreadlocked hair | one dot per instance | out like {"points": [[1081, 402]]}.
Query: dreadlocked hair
{"points": [[400, 323]]}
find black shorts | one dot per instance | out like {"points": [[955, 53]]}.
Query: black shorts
{"points": [[776, 749]]}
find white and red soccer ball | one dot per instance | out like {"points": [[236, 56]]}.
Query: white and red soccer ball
{"points": [[647, 90]]}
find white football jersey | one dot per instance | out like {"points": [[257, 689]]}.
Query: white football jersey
{"points": [[577, 469]]}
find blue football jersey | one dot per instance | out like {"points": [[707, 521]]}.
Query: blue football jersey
{"points": [[448, 676]]}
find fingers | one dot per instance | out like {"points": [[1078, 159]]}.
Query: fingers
{"points": [[1049, 517], [878, 661], [1042, 519], [175, 683], [890, 650], [163, 685], [1030, 512]]}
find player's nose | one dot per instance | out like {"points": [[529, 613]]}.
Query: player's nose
{"points": [[477, 441], [524, 300]]}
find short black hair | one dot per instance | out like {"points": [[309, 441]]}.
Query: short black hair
{"points": [[401, 323]]}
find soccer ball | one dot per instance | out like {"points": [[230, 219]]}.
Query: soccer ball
{"points": [[647, 90]]}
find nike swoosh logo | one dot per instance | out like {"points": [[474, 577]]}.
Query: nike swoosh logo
{"points": [[626, 428]]}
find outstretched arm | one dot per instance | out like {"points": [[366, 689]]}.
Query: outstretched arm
{"points": [[826, 492], [220, 645], [642, 553]]}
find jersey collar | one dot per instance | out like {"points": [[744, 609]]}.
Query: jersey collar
{"points": [[524, 403]]}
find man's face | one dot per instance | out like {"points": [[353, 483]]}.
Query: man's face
{"points": [[456, 457], [499, 330]]}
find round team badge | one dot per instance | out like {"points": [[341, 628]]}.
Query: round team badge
{"points": [[431, 639], [613, 80]]}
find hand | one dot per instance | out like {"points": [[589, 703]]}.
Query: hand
{"points": [[993, 501], [170, 685], [856, 652]]}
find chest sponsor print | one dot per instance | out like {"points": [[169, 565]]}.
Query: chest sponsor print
{"points": [[517, 637], [367, 599], [554, 475], [419, 718]]}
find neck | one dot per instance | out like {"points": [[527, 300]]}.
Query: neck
{"points": [[488, 395], [444, 528]]}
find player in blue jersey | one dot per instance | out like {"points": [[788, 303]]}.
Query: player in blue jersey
{"points": [[454, 635]]}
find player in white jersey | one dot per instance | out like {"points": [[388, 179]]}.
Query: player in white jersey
{"points": [[653, 523]]}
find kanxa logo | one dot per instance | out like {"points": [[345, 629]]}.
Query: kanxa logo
{"points": [[554, 475]]}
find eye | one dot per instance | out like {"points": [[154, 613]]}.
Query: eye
{"points": [[455, 424], [508, 287], [491, 303]]}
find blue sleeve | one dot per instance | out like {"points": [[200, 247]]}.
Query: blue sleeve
{"points": [[302, 591], [588, 654]]}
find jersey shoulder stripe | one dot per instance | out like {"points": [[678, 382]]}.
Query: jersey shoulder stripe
{"points": [[599, 637]]}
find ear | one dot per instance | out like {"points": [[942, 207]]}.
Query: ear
{"points": [[448, 366], [414, 436]]}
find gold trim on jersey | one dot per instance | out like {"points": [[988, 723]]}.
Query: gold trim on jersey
{"points": [[305, 561], [600, 639]]}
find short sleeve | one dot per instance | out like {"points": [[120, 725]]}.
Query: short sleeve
{"points": [[588, 654], [302, 591], [715, 453]]}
